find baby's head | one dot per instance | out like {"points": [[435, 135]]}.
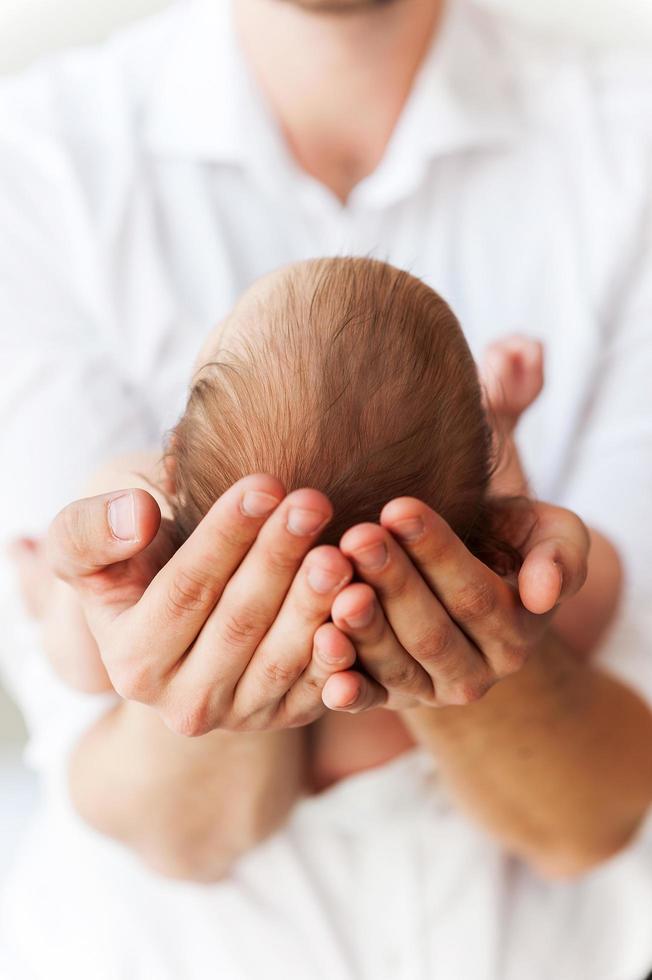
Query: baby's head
{"points": [[349, 376]]}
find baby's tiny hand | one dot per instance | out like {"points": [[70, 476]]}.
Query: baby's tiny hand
{"points": [[512, 375]]}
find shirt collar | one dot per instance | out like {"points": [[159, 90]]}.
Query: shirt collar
{"points": [[204, 104]]}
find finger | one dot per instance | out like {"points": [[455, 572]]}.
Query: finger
{"points": [[358, 615], [332, 652], [482, 604], [155, 633], [89, 535], [252, 599], [351, 691], [512, 375], [556, 559], [454, 667], [21, 546], [286, 650]]}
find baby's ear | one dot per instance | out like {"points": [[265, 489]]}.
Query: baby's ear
{"points": [[170, 465]]}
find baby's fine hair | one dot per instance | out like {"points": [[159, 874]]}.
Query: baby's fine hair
{"points": [[354, 379]]}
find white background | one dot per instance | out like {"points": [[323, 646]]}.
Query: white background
{"points": [[29, 28]]}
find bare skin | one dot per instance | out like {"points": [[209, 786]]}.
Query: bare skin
{"points": [[337, 76], [280, 765], [513, 373], [107, 572]]}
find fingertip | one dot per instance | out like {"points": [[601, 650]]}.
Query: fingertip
{"points": [[259, 495], [351, 606], [133, 516], [333, 649], [327, 556], [148, 516], [263, 482], [540, 585], [342, 691], [310, 499], [360, 536], [401, 509]]}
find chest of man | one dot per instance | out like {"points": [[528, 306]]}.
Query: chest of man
{"points": [[494, 237]]}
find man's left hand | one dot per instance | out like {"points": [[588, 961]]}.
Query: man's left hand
{"points": [[431, 624]]}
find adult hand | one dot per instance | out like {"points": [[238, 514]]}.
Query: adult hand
{"points": [[433, 625], [444, 627], [230, 631]]}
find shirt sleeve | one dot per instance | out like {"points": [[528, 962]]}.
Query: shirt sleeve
{"points": [[65, 406], [610, 483]]}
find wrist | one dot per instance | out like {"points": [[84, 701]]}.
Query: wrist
{"points": [[548, 678]]}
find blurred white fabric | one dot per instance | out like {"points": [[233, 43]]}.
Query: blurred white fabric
{"points": [[31, 28]]}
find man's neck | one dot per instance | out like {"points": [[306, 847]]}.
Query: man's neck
{"points": [[337, 82]]}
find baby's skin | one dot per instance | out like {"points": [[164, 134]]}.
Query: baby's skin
{"points": [[340, 744]]}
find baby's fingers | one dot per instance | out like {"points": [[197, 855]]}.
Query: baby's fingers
{"points": [[512, 376]]}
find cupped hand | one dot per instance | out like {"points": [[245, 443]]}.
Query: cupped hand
{"points": [[431, 624], [229, 631]]}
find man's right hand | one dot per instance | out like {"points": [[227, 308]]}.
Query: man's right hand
{"points": [[230, 631]]}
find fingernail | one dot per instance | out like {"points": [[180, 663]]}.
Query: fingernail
{"points": [[122, 517], [255, 503], [360, 619], [302, 522], [373, 558], [323, 581], [410, 529]]}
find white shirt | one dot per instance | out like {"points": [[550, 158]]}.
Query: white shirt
{"points": [[143, 186]]}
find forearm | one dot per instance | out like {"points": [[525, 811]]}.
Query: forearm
{"points": [[556, 760], [188, 807]]}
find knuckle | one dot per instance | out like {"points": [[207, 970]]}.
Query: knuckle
{"points": [[279, 561], [394, 585], [314, 685], [434, 644], [439, 543], [134, 681], [229, 537], [71, 529], [188, 593], [67, 541], [404, 674], [278, 674], [193, 720], [512, 659], [309, 608], [470, 689], [241, 629], [474, 603]]}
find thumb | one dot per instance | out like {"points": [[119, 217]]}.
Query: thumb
{"points": [[92, 534], [556, 559]]}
